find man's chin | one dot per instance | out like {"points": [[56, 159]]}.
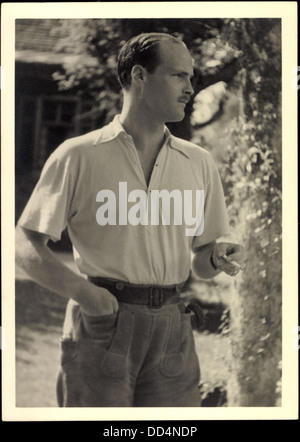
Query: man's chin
{"points": [[176, 119]]}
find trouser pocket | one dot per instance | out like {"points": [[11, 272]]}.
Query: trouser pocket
{"points": [[96, 360], [172, 362], [104, 356], [188, 348], [69, 384], [100, 328], [179, 355]]}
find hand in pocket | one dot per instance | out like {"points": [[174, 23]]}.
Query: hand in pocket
{"points": [[98, 302]]}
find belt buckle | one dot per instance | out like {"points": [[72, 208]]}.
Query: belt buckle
{"points": [[156, 297]]}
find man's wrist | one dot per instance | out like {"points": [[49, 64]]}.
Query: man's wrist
{"points": [[85, 289]]}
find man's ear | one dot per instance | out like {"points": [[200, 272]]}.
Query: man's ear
{"points": [[137, 74]]}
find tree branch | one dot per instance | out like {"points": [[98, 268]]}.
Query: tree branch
{"points": [[226, 74]]}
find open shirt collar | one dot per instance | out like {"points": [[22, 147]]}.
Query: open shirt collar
{"points": [[115, 128]]}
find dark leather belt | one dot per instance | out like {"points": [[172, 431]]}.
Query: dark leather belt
{"points": [[154, 296]]}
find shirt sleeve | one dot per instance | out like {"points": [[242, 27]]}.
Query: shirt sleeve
{"points": [[215, 212], [49, 206]]}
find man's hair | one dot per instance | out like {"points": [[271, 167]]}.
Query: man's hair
{"points": [[142, 49]]}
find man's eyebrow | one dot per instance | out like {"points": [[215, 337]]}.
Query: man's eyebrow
{"points": [[181, 71]]}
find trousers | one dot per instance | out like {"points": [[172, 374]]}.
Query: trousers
{"points": [[137, 357]]}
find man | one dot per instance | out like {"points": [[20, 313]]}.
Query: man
{"points": [[127, 337]]}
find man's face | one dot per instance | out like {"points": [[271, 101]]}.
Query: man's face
{"points": [[169, 88]]}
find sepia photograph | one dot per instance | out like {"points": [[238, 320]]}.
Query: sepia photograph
{"points": [[148, 212]]}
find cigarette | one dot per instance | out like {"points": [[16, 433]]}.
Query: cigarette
{"points": [[234, 263]]}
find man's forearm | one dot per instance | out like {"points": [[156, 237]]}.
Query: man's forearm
{"points": [[40, 263]]}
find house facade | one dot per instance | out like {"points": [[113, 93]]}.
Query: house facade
{"points": [[44, 115]]}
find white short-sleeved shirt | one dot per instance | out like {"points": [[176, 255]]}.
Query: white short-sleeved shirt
{"points": [[94, 185]]}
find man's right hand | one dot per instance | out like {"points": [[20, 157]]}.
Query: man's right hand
{"points": [[98, 302]]}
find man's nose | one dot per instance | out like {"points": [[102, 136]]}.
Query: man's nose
{"points": [[189, 88]]}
